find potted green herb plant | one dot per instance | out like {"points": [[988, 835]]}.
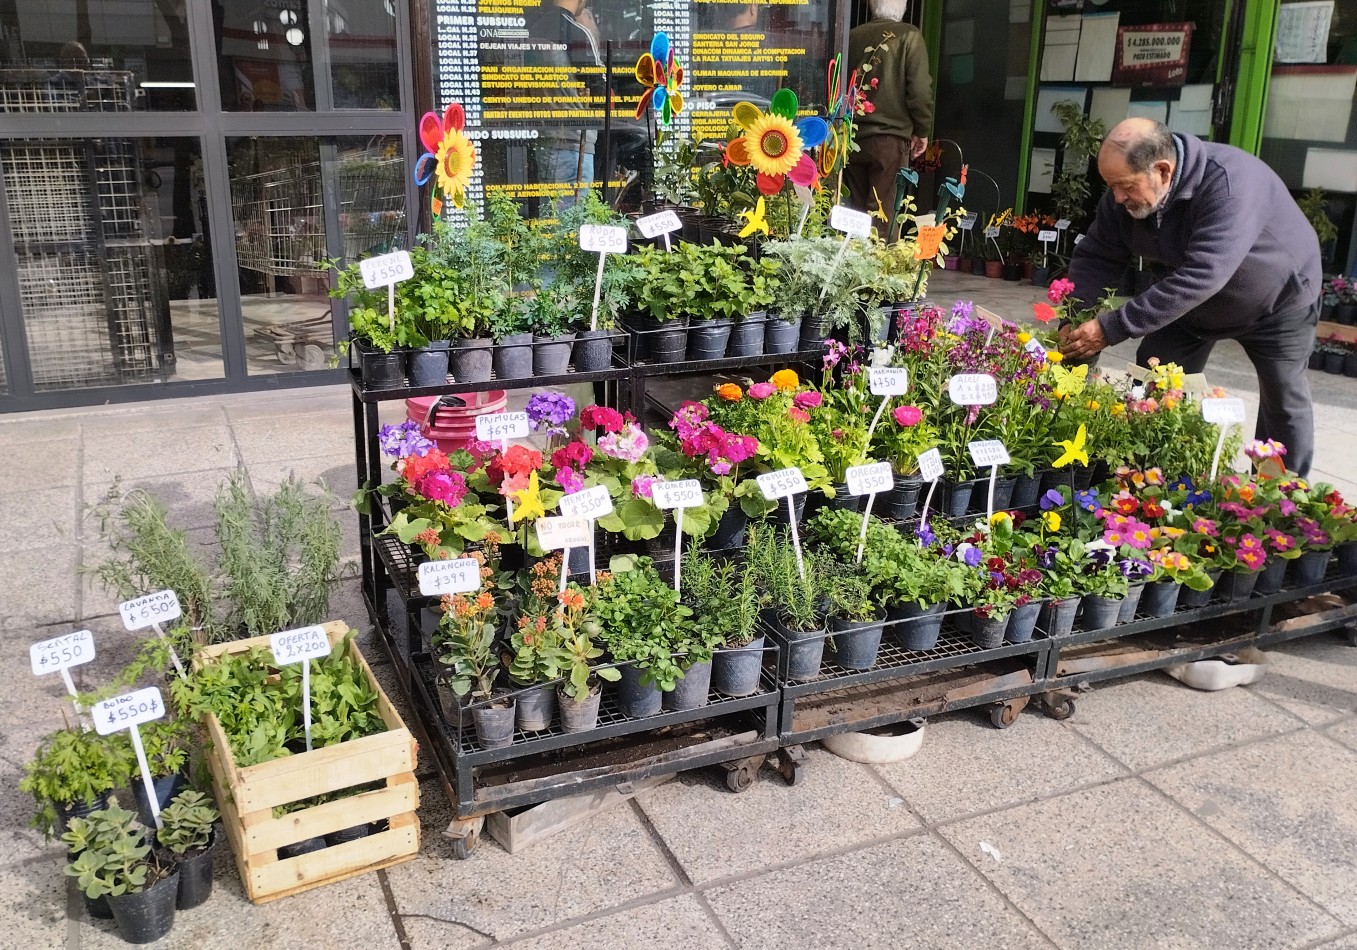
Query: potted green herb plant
{"points": [[466, 644], [580, 692], [166, 742], [659, 288], [725, 605], [110, 856], [72, 774], [511, 327], [854, 617], [188, 831], [381, 339], [793, 598], [555, 313], [754, 297]]}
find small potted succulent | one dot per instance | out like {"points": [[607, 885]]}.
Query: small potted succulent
{"points": [[111, 857], [189, 833]]}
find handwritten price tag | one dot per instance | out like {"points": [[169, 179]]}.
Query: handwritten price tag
{"points": [[991, 232], [783, 482], [973, 389], [297, 646], [498, 426], [61, 653], [387, 269], [987, 453], [603, 238], [1062, 224], [1077, 239], [1046, 237], [870, 479], [851, 222], [1034, 347], [458, 576], [681, 494], [887, 380], [554, 534], [127, 710], [592, 503], [662, 222], [1223, 412], [143, 612], [930, 465], [967, 221]]}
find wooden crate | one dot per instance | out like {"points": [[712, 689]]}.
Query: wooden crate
{"points": [[247, 796]]}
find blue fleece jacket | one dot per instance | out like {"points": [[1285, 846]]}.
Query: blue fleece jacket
{"points": [[1232, 243]]}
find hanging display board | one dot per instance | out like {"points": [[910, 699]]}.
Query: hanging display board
{"points": [[1152, 55], [531, 77]]}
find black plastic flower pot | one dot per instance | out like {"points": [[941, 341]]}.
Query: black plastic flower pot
{"points": [[1326, 311], [1236, 585], [166, 787], [1192, 599], [779, 514], [876, 322], [1333, 363], [579, 715], [1272, 577], [79, 809], [1160, 598], [707, 339], [729, 531], [550, 354], [1309, 568], [917, 627], [812, 332], [593, 351], [1041, 276], [513, 356], [472, 360], [1012, 272], [536, 708], [958, 498], [1003, 494], [781, 336], [345, 835], [1099, 613], [1350, 365], [148, 915], [669, 341], [692, 690], [855, 643], [978, 266], [1130, 603], [843, 501], [1058, 615], [1026, 490], [494, 723], [902, 501], [429, 366], [1316, 360], [195, 875], [735, 670], [746, 336], [1345, 313], [1022, 622], [97, 907], [380, 370], [805, 651], [1347, 558], [305, 846], [635, 699], [988, 632]]}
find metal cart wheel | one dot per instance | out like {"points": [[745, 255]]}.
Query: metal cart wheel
{"points": [[791, 763], [1057, 706], [741, 774], [466, 835], [1005, 714], [1350, 634]]}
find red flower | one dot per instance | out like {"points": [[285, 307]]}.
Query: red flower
{"points": [[798, 415], [1043, 312], [574, 455], [601, 417]]}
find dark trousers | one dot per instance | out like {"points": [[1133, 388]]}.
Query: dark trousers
{"points": [[1279, 348], [870, 174]]}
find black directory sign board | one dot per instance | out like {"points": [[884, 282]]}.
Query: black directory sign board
{"points": [[533, 77]]}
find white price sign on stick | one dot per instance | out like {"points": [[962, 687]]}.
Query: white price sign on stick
{"points": [[887, 380], [603, 238], [591, 503], [967, 221], [662, 222], [680, 494], [930, 465], [850, 221], [1034, 347], [149, 610], [991, 233], [129, 711], [386, 269], [973, 389], [987, 453], [783, 483], [301, 646], [556, 534], [1062, 224], [1223, 411], [61, 653], [1046, 237], [869, 479], [460, 575], [502, 426]]}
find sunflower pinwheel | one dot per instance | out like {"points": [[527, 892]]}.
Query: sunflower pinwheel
{"points": [[842, 102], [450, 153], [775, 142], [662, 75]]}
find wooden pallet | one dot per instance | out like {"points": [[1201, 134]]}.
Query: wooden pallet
{"points": [[247, 796]]}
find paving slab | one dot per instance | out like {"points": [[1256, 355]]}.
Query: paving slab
{"points": [[1344, 732], [1249, 795], [1348, 942], [1154, 719], [39, 517], [335, 470], [291, 435], [19, 842], [715, 833], [187, 499], [39, 428], [167, 416], [596, 865], [265, 405], [153, 454], [1117, 866], [33, 905], [39, 586], [914, 892], [47, 462], [1314, 679], [676, 922], [965, 766]]}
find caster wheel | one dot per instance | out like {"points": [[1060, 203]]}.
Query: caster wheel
{"points": [[740, 780], [1350, 634], [463, 848], [793, 774], [1003, 715], [1061, 707]]}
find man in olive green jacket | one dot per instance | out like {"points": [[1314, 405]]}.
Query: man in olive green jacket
{"points": [[901, 96]]}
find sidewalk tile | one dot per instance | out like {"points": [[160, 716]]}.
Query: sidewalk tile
{"points": [[1113, 866], [1154, 719], [676, 922], [966, 766], [39, 586], [143, 456], [34, 905], [1314, 678], [46, 463], [289, 435], [715, 833], [38, 518], [187, 497], [38, 428], [165, 417], [19, 841], [909, 893], [1310, 839], [1344, 732], [335, 470]]}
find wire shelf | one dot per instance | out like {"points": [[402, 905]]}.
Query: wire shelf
{"points": [[67, 90]]}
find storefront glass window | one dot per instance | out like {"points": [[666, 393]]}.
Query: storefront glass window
{"points": [[264, 55], [95, 56], [113, 264], [362, 45]]}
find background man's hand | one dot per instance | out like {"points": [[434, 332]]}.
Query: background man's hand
{"points": [[1083, 342], [917, 144]]}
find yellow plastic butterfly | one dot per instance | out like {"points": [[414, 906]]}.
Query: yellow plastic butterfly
{"points": [[1069, 382], [754, 220], [529, 501]]}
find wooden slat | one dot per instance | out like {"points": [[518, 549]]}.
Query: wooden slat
{"points": [[369, 759], [290, 876], [269, 834]]}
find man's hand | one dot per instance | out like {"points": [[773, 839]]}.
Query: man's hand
{"points": [[1082, 342], [917, 144]]}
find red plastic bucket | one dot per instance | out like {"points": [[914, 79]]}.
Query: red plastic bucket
{"points": [[452, 426]]}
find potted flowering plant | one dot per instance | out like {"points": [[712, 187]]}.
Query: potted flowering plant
{"points": [[916, 582], [701, 449], [544, 617], [465, 643], [621, 462]]}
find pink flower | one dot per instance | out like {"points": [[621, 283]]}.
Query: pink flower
{"points": [[1059, 290], [642, 486], [761, 390], [628, 443], [798, 415], [739, 448], [908, 416], [570, 480], [447, 487], [808, 400], [1206, 527]]}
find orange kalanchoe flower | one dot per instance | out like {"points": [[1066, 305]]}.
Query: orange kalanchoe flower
{"points": [[730, 392]]}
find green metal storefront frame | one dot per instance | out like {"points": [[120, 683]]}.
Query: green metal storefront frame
{"points": [[1255, 74]]}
